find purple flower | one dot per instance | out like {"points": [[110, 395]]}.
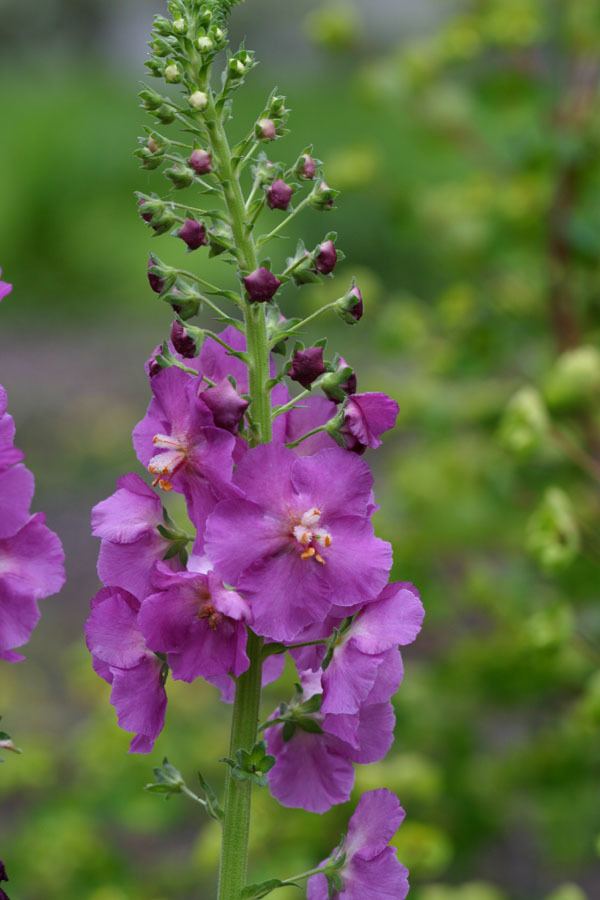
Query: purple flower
{"points": [[307, 366], [5, 288], [326, 259], [366, 417], [301, 538], [314, 758], [395, 618], [121, 657], [193, 234], [279, 195], [201, 162], [370, 868], [127, 524], [16, 481], [226, 405], [261, 285], [200, 624], [181, 447], [183, 342], [31, 568]]}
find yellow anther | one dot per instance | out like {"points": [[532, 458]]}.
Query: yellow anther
{"points": [[308, 553], [319, 559]]}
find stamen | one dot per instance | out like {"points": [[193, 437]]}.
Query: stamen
{"points": [[308, 553]]}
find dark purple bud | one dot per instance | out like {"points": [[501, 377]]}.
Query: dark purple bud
{"points": [[3, 875], [145, 213], [266, 130], [307, 366], [156, 282], [183, 342], [338, 384], [279, 195], [306, 167], [152, 365], [226, 405], [350, 384], [201, 162], [261, 285], [350, 306], [193, 233], [323, 197], [326, 259]]}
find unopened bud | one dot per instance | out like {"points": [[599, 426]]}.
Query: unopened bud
{"points": [[266, 130], [326, 259], [155, 280], [261, 285], [525, 422], [172, 73], [306, 167], [307, 366], [237, 68], [151, 100], [279, 195], [165, 114], [337, 385], [198, 100], [226, 405], [575, 378], [180, 26], [181, 176], [350, 306], [186, 339], [193, 234], [323, 197], [205, 44], [552, 533], [201, 162]]}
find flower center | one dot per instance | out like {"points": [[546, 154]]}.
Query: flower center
{"points": [[208, 611], [165, 464], [310, 536]]}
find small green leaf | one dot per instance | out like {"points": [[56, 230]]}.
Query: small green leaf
{"points": [[256, 891]]}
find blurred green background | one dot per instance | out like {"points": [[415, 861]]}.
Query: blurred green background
{"points": [[465, 137]]}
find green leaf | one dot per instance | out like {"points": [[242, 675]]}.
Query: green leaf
{"points": [[213, 806], [255, 891]]}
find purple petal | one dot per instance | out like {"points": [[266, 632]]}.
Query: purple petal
{"points": [[309, 773], [374, 823], [369, 415], [309, 414], [129, 566], [129, 513], [264, 475], [239, 534], [394, 618], [375, 732], [357, 564], [376, 879], [336, 482], [348, 679], [19, 614], [112, 631], [388, 678], [16, 494], [32, 561], [139, 698]]}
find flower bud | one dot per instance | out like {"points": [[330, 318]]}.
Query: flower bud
{"points": [[198, 100], [237, 68], [180, 26], [200, 161], [165, 114], [265, 130], [226, 405], [154, 363], [525, 422], [220, 239], [205, 44], [337, 385], [156, 282], [261, 285], [181, 176], [279, 195], [172, 73], [306, 167], [575, 378], [185, 342], [193, 234], [326, 259], [307, 366], [323, 197], [151, 100], [350, 306]]}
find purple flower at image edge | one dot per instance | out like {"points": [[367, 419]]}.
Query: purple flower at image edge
{"points": [[370, 869]]}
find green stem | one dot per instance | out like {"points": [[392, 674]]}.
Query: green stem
{"points": [[299, 325], [244, 728]]}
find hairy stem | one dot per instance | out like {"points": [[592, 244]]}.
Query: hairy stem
{"points": [[244, 728]]}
